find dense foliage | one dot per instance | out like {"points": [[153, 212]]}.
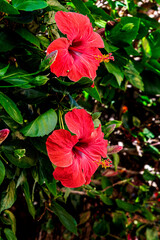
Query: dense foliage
{"points": [[121, 202]]}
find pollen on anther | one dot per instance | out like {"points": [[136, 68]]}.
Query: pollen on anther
{"points": [[104, 57]]}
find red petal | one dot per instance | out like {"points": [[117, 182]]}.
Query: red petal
{"points": [[64, 61], [59, 147], [77, 174], [85, 64], [95, 146], [78, 28], [3, 134], [80, 122]]}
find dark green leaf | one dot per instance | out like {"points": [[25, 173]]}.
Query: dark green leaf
{"points": [[147, 214], [93, 92], [120, 220], [8, 198], [65, 218], [106, 200], [2, 172], [116, 71], [11, 108], [9, 234], [101, 228], [6, 43], [28, 199], [133, 76], [107, 183], [120, 37], [3, 71], [28, 5], [28, 36], [42, 125], [7, 8], [148, 176], [128, 207], [45, 175], [22, 162]]}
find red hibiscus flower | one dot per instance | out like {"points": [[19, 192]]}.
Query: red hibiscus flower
{"points": [[3, 134], [77, 156], [78, 55]]}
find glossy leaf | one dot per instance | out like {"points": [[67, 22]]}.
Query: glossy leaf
{"points": [[27, 195], [9, 234], [65, 218], [93, 92], [3, 71], [116, 71], [7, 8], [128, 207], [28, 36], [2, 172], [133, 76], [28, 5], [8, 198], [42, 125], [12, 219], [11, 108], [21, 162]]}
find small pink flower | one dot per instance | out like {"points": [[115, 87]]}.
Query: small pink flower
{"points": [[78, 156], [78, 55], [3, 134]]}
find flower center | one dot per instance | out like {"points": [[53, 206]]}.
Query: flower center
{"points": [[104, 163], [104, 58]]}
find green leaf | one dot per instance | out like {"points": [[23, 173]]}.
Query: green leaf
{"points": [[7, 8], [106, 200], [54, 5], [27, 195], [8, 198], [45, 175], [2, 172], [97, 11], [28, 36], [9, 234], [116, 122], [120, 220], [93, 92], [11, 108], [130, 5], [120, 37], [148, 176], [101, 227], [128, 207], [133, 76], [115, 160], [82, 8], [12, 220], [116, 71], [65, 218], [6, 42], [42, 125], [23, 162], [152, 234], [29, 5], [147, 214], [107, 183], [3, 71], [146, 48]]}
